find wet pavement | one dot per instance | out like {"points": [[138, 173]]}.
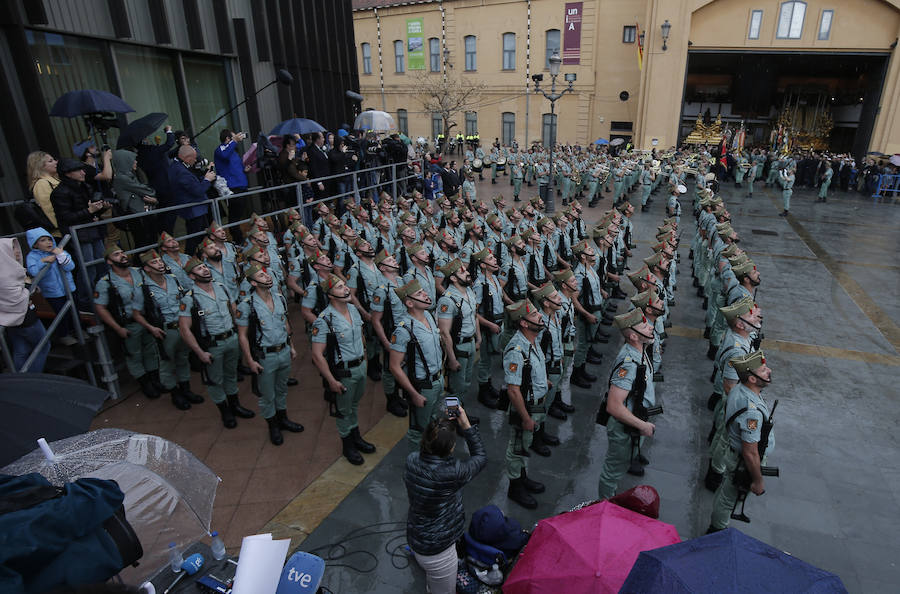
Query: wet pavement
{"points": [[829, 295]]}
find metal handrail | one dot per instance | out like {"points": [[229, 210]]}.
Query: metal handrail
{"points": [[892, 186]]}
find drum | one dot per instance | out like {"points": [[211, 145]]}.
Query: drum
{"points": [[501, 164], [477, 165], [488, 161]]}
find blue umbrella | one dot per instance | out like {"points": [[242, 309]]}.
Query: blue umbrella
{"points": [[87, 101], [297, 126], [601, 141], [726, 561]]}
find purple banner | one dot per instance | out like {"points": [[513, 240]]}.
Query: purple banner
{"points": [[571, 53]]}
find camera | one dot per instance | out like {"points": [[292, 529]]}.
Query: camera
{"points": [[452, 405]]}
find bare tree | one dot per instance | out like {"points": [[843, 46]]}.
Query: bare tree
{"points": [[447, 97]]}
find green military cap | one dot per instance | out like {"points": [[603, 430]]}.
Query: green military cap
{"points": [[659, 247], [111, 249], [629, 319], [381, 257], [623, 207], [330, 282], [749, 362], [670, 221], [527, 234], [644, 298], [518, 310], [543, 292], [164, 237], [716, 201], [534, 201], [725, 231], [665, 229], [497, 199], [730, 251], [415, 249], [480, 204], [598, 232], [481, 256], [148, 256], [408, 218], [253, 230], [576, 204], [743, 269], [654, 260], [408, 289], [559, 216], [738, 308], [704, 202], [470, 225], [738, 259], [544, 221], [401, 228], [580, 247], [428, 227], [512, 240], [256, 267], [511, 211], [492, 218], [332, 219], [641, 275], [191, 264], [253, 251], [213, 227], [563, 275], [292, 214], [452, 267]]}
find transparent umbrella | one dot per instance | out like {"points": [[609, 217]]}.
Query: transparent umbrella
{"points": [[169, 493], [377, 121]]}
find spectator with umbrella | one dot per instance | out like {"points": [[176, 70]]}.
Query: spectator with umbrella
{"points": [[189, 189], [230, 166]]}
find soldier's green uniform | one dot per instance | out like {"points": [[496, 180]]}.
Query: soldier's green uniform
{"points": [[624, 372], [453, 303], [592, 300], [745, 427], [489, 297], [517, 353], [141, 355], [646, 184], [366, 279], [174, 369], [225, 351], [787, 183], [274, 342], [518, 174], [826, 182], [351, 342]]}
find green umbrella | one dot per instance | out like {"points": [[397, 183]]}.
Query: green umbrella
{"points": [[405, 138]]}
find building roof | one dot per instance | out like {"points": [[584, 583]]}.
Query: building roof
{"points": [[369, 4]]}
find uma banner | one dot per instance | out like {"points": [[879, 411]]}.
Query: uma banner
{"points": [[572, 35]]}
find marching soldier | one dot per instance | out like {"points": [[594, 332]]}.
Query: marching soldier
{"points": [[387, 310], [206, 325], [630, 395], [646, 183], [265, 337], [518, 174], [459, 328], [342, 364], [156, 308], [489, 298], [416, 359], [588, 305], [748, 423], [525, 372], [114, 296], [551, 342], [363, 282]]}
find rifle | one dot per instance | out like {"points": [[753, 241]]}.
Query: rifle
{"points": [[742, 478], [335, 364], [412, 348], [154, 316], [115, 304], [201, 334], [456, 328], [515, 419], [255, 339]]}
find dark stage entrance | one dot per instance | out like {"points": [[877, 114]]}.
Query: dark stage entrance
{"points": [[830, 100]]}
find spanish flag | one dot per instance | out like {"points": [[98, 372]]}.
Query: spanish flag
{"points": [[640, 45]]}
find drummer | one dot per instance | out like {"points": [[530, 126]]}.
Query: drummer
{"points": [[479, 156], [494, 156]]}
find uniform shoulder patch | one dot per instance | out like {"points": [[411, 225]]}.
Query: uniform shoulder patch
{"points": [[393, 339], [513, 367], [622, 372], [376, 299], [751, 424], [96, 294], [444, 308], [182, 307], [315, 331], [238, 314]]}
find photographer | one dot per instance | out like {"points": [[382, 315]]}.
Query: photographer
{"points": [[230, 166], [189, 189], [434, 480]]}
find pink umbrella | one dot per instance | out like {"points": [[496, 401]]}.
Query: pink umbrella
{"points": [[588, 550]]}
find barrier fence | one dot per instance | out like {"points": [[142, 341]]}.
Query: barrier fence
{"points": [[360, 183]]}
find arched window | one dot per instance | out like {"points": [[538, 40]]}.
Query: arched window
{"points": [[403, 121], [552, 46], [508, 130], [509, 51], [367, 58], [548, 129], [398, 57], [790, 20], [471, 61], [434, 54]]}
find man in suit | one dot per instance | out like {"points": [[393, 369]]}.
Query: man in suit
{"points": [[318, 163], [450, 178], [189, 189]]}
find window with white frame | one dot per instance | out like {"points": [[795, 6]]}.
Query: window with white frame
{"points": [[434, 54], [471, 123], [398, 57], [367, 58], [825, 25], [755, 24], [790, 20], [509, 51], [552, 42], [471, 61]]}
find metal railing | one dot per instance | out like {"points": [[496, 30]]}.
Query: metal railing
{"points": [[371, 182], [888, 186]]}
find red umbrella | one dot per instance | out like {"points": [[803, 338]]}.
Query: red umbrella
{"points": [[588, 550]]}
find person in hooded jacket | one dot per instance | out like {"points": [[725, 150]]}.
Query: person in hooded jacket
{"points": [[17, 313], [434, 481], [44, 252], [134, 196]]}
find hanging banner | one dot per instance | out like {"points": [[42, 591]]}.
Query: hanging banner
{"points": [[415, 43], [572, 35]]}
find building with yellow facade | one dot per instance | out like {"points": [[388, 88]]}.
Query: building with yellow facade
{"points": [[826, 71]]}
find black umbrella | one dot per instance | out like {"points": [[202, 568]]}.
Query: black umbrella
{"points": [[43, 405], [86, 101], [140, 129]]}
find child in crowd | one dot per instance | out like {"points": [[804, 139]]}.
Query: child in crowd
{"points": [[43, 252]]}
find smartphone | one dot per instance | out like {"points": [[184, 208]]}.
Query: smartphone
{"points": [[452, 405]]}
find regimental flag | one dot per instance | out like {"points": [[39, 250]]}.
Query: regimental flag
{"points": [[640, 45]]}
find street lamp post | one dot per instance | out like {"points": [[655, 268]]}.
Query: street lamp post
{"points": [[553, 96]]}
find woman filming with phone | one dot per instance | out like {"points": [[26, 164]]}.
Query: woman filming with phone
{"points": [[434, 480]]}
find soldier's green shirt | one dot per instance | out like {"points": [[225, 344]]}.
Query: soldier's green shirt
{"points": [[625, 372], [126, 290], [452, 301], [215, 310], [272, 327], [429, 339], [747, 426], [168, 298], [350, 338], [514, 356]]}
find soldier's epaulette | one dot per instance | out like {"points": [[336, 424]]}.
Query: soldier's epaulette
{"points": [[401, 323], [627, 359]]}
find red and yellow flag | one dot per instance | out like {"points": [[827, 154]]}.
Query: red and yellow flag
{"points": [[640, 45]]}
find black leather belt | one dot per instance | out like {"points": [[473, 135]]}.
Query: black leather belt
{"points": [[222, 336], [568, 352], [554, 368], [353, 363], [275, 349], [467, 339], [172, 325]]}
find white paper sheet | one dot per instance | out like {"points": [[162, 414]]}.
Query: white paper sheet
{"points": [[260, 564]]}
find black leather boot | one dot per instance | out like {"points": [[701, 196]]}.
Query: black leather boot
{"points": [[274, 431], [227, 416], [179, 400], [531, 485], [519, 493], [287, 424], [238, 410], [350, 452], [361, 444], [147, 386], [154, 378], [579, 380], [486, 395], [548, 438], [537, 444], [588, 375], [395, 405], [190, 396], [594, 357]]}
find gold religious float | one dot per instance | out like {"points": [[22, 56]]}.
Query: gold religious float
{"points": [[705, 134]]}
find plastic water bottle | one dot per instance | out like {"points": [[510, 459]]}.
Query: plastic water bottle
{"points": [[494, 576], [175, 558], [217, 547]]}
